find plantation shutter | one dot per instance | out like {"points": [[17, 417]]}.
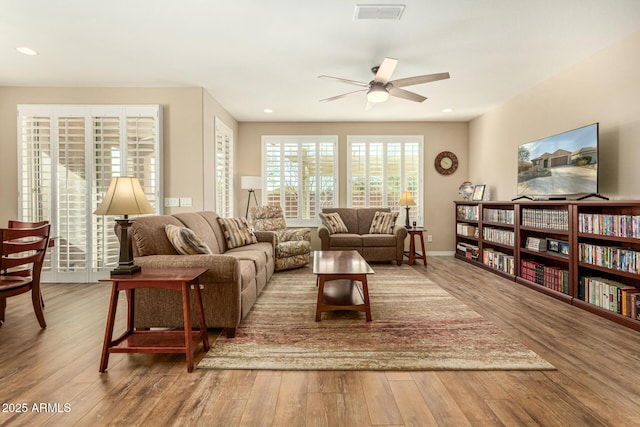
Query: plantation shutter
{"points": [[88, 146], [380, 168], [224, 169], [300, 175]]}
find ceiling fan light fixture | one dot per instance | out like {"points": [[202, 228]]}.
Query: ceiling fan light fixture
{"points": [[377, 94]]}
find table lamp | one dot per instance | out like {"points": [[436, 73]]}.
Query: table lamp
{"points": [[250, 183], [124, 197], [406, 200]]}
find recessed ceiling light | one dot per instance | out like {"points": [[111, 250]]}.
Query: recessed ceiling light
{"points": [[447, 110], [268, 110], [26, 51]]}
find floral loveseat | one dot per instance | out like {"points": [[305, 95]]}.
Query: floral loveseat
{"points": [[235, 278], [358, 235]]}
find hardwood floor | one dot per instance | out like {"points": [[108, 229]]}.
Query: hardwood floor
{"points": [[54, 372]]}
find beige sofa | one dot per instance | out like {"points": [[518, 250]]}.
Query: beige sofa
{"points": [[373, 247], [231, 286]]}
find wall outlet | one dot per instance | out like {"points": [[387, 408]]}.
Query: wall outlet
{"points": [[171, 202], [186, 202], [429, 238]]}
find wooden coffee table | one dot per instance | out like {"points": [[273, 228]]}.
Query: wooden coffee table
{"points": [[337, 275]]}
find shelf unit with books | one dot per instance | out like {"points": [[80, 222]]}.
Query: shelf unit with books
{"points": [[607, 239], [585, 253], [467, 231], [497, 227], [544, 248]]}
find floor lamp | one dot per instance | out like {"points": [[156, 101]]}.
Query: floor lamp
{"points": [[406, 200], [250, 183], [124, 197]]}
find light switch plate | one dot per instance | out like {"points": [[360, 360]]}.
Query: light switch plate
{"points": [[186, 202], [171, 202]]}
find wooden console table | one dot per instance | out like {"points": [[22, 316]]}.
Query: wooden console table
{"points": [[145, 341]]}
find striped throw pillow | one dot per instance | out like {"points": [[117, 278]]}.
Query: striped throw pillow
{"points": [[383, 223], [237, 232], [185, 241], [333, 222]]}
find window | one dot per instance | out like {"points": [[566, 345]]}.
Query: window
{"points": [[67, 157], [380, 168], [300, 173], [223, 169]]}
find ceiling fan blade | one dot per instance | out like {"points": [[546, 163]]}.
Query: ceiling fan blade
{"points": [[416, 80], [383, 75], [333, 98], [351, 82], [401, 93]]}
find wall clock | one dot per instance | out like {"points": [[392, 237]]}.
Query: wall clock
{"points": [[446, 163]]}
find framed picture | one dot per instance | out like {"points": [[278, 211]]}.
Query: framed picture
{"points": [[478, 192]]}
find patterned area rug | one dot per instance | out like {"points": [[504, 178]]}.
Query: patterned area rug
{"points": [[416, 325]]}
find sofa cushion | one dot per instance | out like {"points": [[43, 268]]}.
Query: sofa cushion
{"points": [[149, 237], [258, 257], [185, 241], [333, 222], [345, 240], [365, 218], [202, 228], [237, 232], [383, 223], [380, 240]]}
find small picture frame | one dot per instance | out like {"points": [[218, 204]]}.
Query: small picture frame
{"points": [[478, 193]]}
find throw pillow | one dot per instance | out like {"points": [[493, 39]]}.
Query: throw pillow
{"points": [[237, 232], [383, 223], [185, 241], [333, 222]]}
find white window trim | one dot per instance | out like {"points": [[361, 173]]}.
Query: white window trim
{"points": [[351, 139], [300, 139]]}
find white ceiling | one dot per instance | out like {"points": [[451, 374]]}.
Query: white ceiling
{"points": [[252, 55]]}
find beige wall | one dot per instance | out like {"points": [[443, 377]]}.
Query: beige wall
{"points": [[188, 117], [439, 191], [605, 89]]}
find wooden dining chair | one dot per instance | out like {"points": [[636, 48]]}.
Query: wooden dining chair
{"points": [[22, 252]]}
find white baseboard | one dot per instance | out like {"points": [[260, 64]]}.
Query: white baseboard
{"points": [[440, 253]]}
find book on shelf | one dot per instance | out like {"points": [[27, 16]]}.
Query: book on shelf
{"points": [[548, 276], [609, 295], [536, 244], [609, 225], [551, 219], [464, 229]]}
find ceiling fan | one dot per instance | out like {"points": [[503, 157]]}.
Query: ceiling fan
{"points": [[379, 89]]}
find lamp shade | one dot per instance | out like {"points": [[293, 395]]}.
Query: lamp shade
{"points": [[124, 197], [406, 199], [251, 182]]}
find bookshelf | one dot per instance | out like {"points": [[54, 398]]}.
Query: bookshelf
{"points": [[585, 253]]}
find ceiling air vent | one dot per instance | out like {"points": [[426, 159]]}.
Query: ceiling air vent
{"points": [[378, 11]]}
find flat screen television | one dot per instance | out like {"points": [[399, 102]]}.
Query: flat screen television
{"points": [[560, 166]]}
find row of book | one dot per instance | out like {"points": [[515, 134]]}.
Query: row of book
{"points": [[467, 213], [610, 295], [496, 235], [610, 225], [550, 277], [613, 257], [468, 250], [499, 261], [468, 230], [505, 216], [551, 219]]}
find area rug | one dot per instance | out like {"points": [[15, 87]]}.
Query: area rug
{"points": [[416, 325]]}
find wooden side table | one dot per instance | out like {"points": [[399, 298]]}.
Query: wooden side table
{"points": [[412, 254], [146, 341]]}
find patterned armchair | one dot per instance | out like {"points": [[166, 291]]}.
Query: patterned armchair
{"points": [[292, 246]]}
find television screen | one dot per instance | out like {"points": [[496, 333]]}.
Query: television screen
{"points": [[560, 165]]}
